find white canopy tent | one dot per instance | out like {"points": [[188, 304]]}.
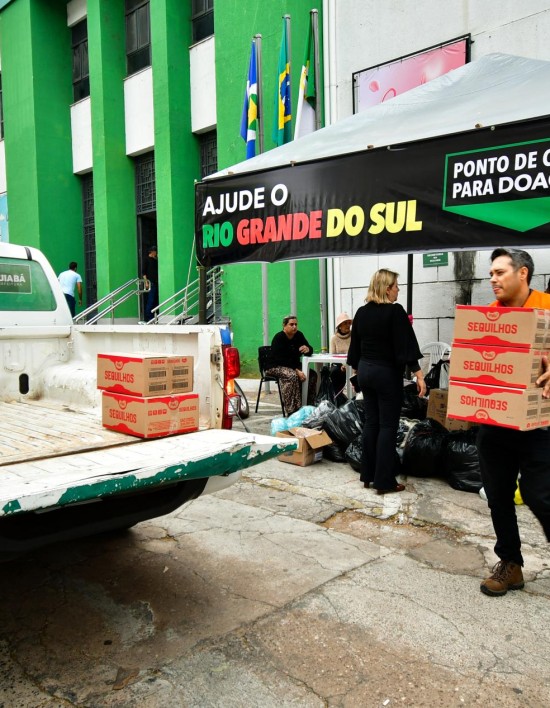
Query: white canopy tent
{"points": [[392, 179], [493, 90]]}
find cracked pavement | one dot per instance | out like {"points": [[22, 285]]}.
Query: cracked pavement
{"points": [[295, 587]]}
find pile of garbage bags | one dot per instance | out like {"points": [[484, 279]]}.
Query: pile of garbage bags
{"points": [[424, 447]]}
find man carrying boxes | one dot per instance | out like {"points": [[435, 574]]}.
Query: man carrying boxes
{"points": [[506, 451]]}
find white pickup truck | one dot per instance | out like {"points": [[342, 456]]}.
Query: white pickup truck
{"points": [[62, 474]]}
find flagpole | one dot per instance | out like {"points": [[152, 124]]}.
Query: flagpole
{"points": [[260, 143], [314, 15], [260, 122], [315, 31], [292, 266]]}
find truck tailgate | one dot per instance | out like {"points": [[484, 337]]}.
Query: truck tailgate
{"points": [[53, 482]]}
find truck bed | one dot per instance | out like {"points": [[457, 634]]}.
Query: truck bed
{"points": [[107, 463], [33, 430]]}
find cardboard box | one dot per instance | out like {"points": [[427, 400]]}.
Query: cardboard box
{"points": [[181, 373], [133, 374], [151, 417], [437, 410], [310, 446], [145, 374], [522, 327], [496, 366], [521, 409]]}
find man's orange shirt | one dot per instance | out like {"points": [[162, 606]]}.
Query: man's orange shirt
{"points": [[536, 299]]}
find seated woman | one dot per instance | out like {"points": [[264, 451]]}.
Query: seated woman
{"points": [[287, 347], [339, 344]]}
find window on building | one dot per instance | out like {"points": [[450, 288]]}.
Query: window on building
{"points": [[138, 35], [1, 111], [209, 153], [90, 271], [146, 192], [202, 16], [81, 72]]}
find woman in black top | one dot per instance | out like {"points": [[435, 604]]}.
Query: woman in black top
{"points": [[287, 348], [382, 344]]}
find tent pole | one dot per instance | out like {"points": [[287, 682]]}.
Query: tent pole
{"points": [[202, 294], [265, 313], [265, 308], [409, 283], [323, 303]]}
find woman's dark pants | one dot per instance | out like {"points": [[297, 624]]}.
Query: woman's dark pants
{"points": [[382, 388]]}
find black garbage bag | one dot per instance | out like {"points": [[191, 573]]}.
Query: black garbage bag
{"points": [[413, 406], [403, 430], [463, 472], [319, 415], [424, 451], [334, 452], [433, 377], [353, 453], [326, 390], [343, 424]]}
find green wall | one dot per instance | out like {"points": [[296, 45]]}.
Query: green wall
{"points": [[44, 196], [235, 25]]}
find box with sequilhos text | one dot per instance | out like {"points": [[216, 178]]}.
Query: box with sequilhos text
{"points": [[152, 416]]}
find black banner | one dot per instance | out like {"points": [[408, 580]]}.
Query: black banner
{"points": [[475, 190]]}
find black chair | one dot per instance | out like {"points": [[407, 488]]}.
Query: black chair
{"points": [[263, 363]]}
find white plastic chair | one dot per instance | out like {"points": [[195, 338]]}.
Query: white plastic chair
{"points": [[432, 353]]}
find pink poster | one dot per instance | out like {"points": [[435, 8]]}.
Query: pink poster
{"points": [[382, 83]]}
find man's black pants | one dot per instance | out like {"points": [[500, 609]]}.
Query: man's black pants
{"points": [[503, 453]]}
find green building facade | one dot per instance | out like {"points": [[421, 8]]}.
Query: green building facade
{"points": [[102, 148]]}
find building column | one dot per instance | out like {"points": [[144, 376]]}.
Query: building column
{"points": [[114, 192], [176, 148]]}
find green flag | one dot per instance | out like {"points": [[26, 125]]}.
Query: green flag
{"points": [[282, 128]]}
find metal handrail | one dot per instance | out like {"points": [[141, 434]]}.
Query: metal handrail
{"points": [[176, 309], [188, 299], [137, 286], [170, 306]]}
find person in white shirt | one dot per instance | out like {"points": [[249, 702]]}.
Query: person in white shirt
{"points": [[70, 281]]}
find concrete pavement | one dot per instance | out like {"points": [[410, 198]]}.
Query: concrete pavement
{"points": [[295, 587]]}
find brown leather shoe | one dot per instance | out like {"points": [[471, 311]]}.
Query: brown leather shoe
{"points": [[397, 488], [506, 576]]}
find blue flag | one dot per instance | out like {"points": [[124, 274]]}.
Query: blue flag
{"points": [[249, 120], [282, 128]]}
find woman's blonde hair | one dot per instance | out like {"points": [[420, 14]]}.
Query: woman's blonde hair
{"points": [[379, 284]]}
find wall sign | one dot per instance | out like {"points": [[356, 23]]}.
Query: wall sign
{"points": [[429, 260]]}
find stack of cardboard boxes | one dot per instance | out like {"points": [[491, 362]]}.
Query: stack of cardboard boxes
{"points": [[147, 395], [496, 359]]}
